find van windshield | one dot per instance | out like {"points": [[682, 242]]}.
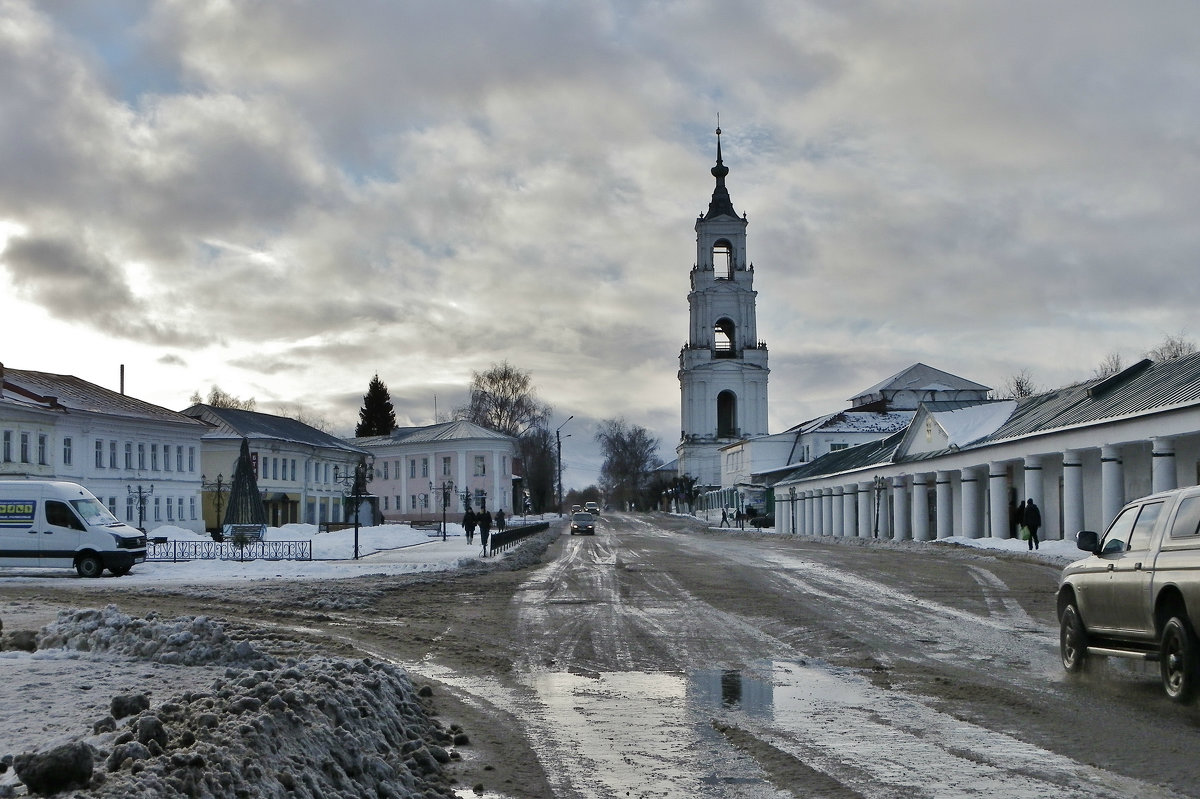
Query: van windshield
{"points": [[93, 512]]}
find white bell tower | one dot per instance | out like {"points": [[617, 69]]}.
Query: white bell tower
{"points": [[723, 366]]}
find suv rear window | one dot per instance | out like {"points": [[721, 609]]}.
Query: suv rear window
{"points": [[1187, 519]]}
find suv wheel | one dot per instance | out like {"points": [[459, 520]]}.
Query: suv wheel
{"points": [[1177, 659], [1072, 640]]}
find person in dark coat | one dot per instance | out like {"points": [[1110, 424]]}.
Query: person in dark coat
{"points": [[1018, 517], [500, 521], [485, 528], [724, 518], [1032, 518], [469, 523]]}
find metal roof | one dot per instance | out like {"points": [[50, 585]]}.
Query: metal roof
{"points": [[459, 430], [237, 423], [76, 394]]}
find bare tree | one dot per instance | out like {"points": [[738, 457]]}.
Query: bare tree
{"points": [[1173, 346], [1019, 385], [503, 399], [222, 399], [1111, 364], [630, 455]]}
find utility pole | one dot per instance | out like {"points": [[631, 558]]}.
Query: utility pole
{"points": [[558, 441]]}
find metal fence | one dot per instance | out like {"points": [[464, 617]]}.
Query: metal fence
{"points": [[175, 551], [510, 537]]}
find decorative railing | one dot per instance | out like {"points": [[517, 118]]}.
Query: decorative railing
{"points": [[513, 535], [175, 551]]}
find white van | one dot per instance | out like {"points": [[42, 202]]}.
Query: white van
{"points": [[48, 523]]}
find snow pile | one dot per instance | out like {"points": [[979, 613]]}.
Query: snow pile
{"points": [[183, 642], [320, 727]]}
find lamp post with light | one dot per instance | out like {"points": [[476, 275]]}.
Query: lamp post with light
{"points": [[356, 480], [142, 495], [446, 490]]}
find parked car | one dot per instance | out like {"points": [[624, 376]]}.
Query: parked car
{"points": [[583, 523], [592, 508], [1137, 591]]}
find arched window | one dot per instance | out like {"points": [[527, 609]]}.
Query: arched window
{"points": [[723, 338], [722, 255], [727, 415]]}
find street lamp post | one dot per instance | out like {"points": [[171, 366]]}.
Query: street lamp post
{"points": [[218, 487], [558, 440], [142, 495], [880, 487], [447, 491], [357, 481]]}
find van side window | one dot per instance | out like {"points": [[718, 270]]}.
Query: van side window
{"points": [[1187, 519], [58, 514], [1144, 526]]}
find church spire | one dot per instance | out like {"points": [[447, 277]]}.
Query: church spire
{"points": [[720, 205]]}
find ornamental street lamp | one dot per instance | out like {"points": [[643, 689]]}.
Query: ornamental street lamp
{"points": [[880, 488], [447, 491], [142, 495], [357, 480], [218, 487]]}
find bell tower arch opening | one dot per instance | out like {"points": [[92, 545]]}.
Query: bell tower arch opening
{"points": [[726, 414], [723, 338], [722, 260]]}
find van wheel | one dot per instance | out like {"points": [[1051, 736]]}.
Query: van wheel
{"points": [[1177, 659], [89, 566], [1072, 640]]}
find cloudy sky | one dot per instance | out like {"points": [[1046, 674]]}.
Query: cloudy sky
{"points": [[285, 198]]}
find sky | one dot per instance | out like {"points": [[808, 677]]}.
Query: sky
{"points": [[284, 199]]}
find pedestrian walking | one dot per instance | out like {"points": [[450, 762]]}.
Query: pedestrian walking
{"points": [[469, 522], [485, 528], [724, 518], [1018, 521], [1032, 518], [501, 521]]}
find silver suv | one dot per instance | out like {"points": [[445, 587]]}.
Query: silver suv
{"points": [[1137, 592]]}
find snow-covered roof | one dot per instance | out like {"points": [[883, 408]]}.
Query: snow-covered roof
{"points": [[966, 425], [856, 422], [234, 423], [458, 430], [921, 377]]}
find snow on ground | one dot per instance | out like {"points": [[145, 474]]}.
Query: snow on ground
{"points": [[219, 704]]}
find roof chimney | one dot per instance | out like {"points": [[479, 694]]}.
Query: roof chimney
{"points": [[122, 380]]}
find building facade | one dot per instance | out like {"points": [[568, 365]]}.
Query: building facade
{"points": [[417, 469], [141, 460], [723, 366], [960, 468]]}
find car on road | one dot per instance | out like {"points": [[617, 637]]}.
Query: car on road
{"points": [[1137, 592], [583, 523], [592, 508]]}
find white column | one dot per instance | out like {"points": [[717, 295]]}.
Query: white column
{"points": [[920, 507], [826, 511], [902, 518], [839, 516], [1162, 464], [811, 513], [1112, 483], [1072, 494], [972, 513], [1033, 481], [850, 511], [998, 498], [866, 510], [944, 497]]}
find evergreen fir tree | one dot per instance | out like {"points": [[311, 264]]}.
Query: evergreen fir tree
{"points": [[377, 417]]}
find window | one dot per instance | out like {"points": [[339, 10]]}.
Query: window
{"points": [[722, 253], [179, 504], [480, 466], [8, 446], [141, 457], [384, 500], [424, 467], [385, 472], [480, 497], [836, 447], [170, 510], [157, 508], [112, 454], [1131, 529], [59, 515], [412, 468], [274, 468], [99, 454], [1140, 537], [166, 457], [293, 470], [112, 506], [413, 500], [129, 509], [67, 452], [399, 503], [24, 448], [42, 448], [129, 455], [445, 467], [191, 459], [192, 507], [154, 457], [179, 458], [396, 471], [1187, 520], [503, 464]]}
